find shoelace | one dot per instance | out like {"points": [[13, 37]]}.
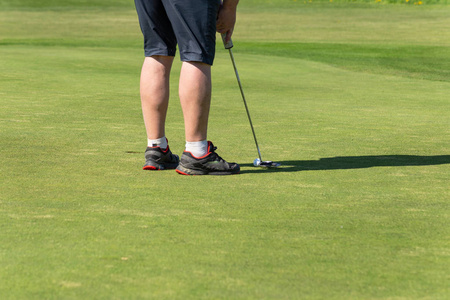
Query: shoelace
{"points": [[217, 156]]}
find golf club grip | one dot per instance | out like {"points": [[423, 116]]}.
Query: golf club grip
{"points": [[228, 45]]}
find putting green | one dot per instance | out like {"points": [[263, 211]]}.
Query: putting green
{"points": [[358, 210]]}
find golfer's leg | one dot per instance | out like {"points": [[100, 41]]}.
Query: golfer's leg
{"points": [[195, 98], [155, 94]]}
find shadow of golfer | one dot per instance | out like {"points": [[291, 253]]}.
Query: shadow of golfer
{"points": [[353, 162]]}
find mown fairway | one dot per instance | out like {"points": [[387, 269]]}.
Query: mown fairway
{"points": [[352, 99]]}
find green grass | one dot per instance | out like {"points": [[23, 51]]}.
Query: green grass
{"points": [[352, 98]]}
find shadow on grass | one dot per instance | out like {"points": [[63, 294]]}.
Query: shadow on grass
{"points": [[353, 162]]}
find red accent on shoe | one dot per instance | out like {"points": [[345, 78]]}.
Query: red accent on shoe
{"points": [[165, 150], [150, 168], [197, 156], [180, 172]]}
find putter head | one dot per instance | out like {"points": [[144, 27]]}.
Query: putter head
{"points": [[269, 164]]}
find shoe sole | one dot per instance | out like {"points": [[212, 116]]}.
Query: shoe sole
{"points": [[157, 167], [190, 172]]}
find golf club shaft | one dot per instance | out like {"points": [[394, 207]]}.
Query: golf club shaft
{"points": [[228, 46]]}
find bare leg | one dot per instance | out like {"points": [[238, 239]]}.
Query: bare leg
{"points": [[155, 94], [195, 98]]}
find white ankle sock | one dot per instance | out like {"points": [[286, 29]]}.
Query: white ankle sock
{"points": [[198, 149], [161, 142]]}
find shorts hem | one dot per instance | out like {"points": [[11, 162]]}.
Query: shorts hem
{"points": [[195, 57], [149, 53]]}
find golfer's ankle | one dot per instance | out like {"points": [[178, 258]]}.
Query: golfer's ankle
{"points": [[160, 142], [198, 149]]}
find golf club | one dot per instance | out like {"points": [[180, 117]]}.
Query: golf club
{"points": [[258, 162]]}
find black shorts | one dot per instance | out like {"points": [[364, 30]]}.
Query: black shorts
{"points": [[189, 23]]}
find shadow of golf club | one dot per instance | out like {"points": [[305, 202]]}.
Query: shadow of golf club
{"points": [[352, 162]]}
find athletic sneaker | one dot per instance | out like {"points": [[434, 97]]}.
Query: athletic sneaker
{"points": [[209, 164], [159, 159]]}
